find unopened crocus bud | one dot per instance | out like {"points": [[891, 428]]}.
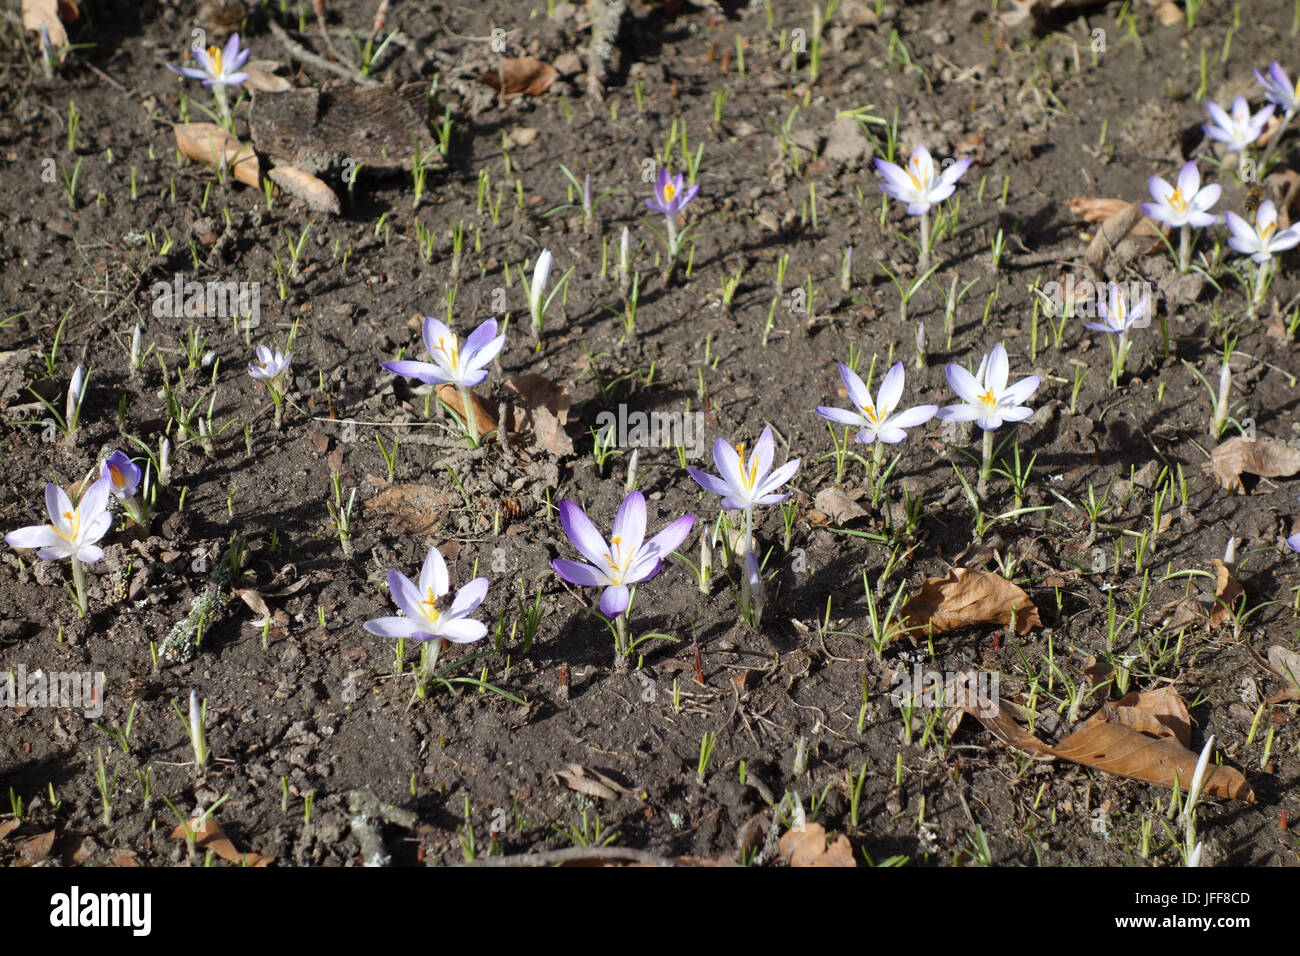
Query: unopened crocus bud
{"points": [[198, 733], [76, 391]]}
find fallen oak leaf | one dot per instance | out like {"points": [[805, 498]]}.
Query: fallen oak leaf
{"points": [[808, 846], [417, 508], [209, 143], [1240, 455], [836, 504], [964, 598], [521, 76], [209, 835]]}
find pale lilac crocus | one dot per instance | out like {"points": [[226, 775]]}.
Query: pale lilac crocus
{"points": [[877, 419], [217, 69], [426, 616], [988, 401], [1261, 242], [625, 560], [743, 483], [1118, 319], [917, 184], [671, 196], [1239, 129], [271, 368], [72, 532], [1182, 206], [1280, 90], [453, 365]]}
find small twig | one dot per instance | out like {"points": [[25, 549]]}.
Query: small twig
{"points": [[577, 854], [319, 6], [299, 52]]}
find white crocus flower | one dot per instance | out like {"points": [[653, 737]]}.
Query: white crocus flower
{"points": [[1263, 239], [1237, 130], [878, 419], [541, 272], [987, 400]]}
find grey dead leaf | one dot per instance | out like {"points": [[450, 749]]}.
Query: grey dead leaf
{"points": [[314, 193], [590, 782], [837, 505], [1239, 456], [50, 14]]}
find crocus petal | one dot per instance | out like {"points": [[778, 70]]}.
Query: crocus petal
{"points": [[954, 172], [629, 523], [615, 600], [96, 526], [762, 457], [90, 553], [891, 390], [390, 626], [434, 574], [912, 417], [1221, 119], [853, 384], [710, 482], [966, 386], [1019, 393], [1206, 198], [995, 376], [957, 413], [728, 462], [34, 536], [434, 331], [841, 415], [405, 595], [582, 533], [94, 499], [1016, 414], [1189, 180], [463, 631], [895, 177], [779, 477], [891, 434], [1160, 190], [424, 371], [576, 572]]}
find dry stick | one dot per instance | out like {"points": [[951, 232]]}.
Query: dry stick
{"points": [[577, 854], [319, 6], [299, 52]]}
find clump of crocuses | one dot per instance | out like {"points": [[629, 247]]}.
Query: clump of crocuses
{"points": [[72, 532], [619, 564], [452, 365]]}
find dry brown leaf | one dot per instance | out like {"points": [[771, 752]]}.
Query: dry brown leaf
{"points": [[590, 782], [1168, 13], [1103, 744], [51, 14], [262, 78], [209, 835], [1287, 664], [1239, 455], [546, 408], [522, 76], [807, 846], [124, 858], [1095, 209], [1160, 713], [417, 508], [837, 505], [485, 412], [963, 598], [311, 190], [9, 826], [1226, 592], [1113, 231], [37, 848], [1098, 672], [209, 143]]}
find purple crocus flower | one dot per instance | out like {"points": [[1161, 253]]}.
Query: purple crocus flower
{"points": [[744, 483], [1239, 129], [627, 558], [1279, 89], [671, 194], [452, 365], [217, 67], [122, 473]]}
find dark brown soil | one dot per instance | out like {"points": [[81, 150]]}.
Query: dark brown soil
{"points": [[313, 708]]}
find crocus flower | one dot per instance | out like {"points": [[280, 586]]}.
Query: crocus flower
{"points": [[1240, 129], [1293, 542], [627, 558], [672, 195], [536, 291], [878, 419], [1278, 88], [916, 184], [270, 365], [742, 483], [425, 619], [217, 67], [73, 530], [122, 473], [1185, 204], [451, 365], [987, 400], [1117, 317], [1263, 239]]}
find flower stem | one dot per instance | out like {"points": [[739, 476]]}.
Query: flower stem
{"points": [[877, 456], [1184, 248], [1261, 281], [671, 266], [621, 650], [924, 261], [986, 466], [746, 594], [471, 419], [79, 581]]}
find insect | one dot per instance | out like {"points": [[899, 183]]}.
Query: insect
{"points": [[1254, 197]]}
